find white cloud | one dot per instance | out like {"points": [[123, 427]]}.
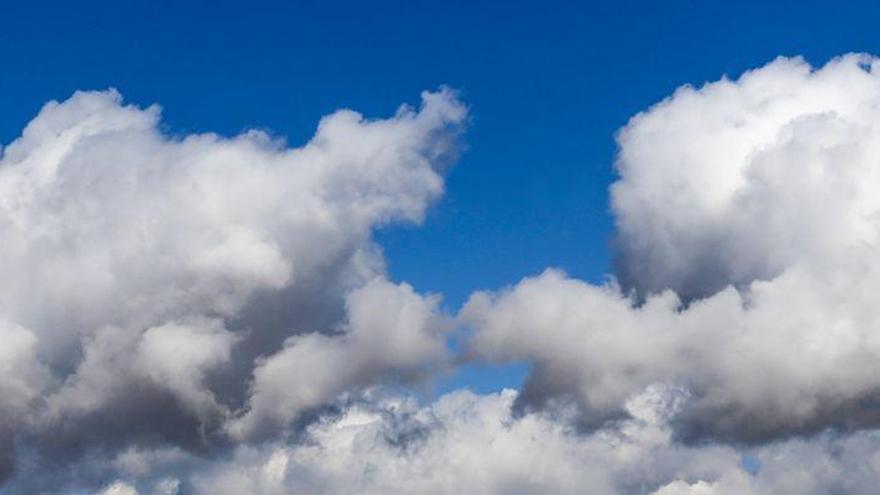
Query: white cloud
{"points": [[792, 355], [147, 277], [740, 180], [766, 183]]}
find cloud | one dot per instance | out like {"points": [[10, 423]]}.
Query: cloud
{"points": [[390, 329], [795, 355], [740, 180], [149, 279], [747, 214], [208, 315], [180, 356], [21, 377], [464, 442]]}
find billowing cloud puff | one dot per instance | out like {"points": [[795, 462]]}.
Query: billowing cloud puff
{"points": [[797, 354], [740, 180], [767, 186], [390, 328], [152, 285]]}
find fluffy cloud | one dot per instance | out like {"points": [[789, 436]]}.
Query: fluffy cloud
{"points": [[209, 315], [390, 329], [469, 443], [739, 180], [794, 355], [766, 186], [149, 279]]}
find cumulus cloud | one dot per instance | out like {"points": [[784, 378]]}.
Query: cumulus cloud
{"points": [[471, 443], [207, 315], [390, 329], [149, 279], [793, 355], [740, 180], [747, 218]]}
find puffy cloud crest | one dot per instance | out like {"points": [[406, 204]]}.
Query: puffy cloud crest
{"points": [[390, 328], [740, 180]]}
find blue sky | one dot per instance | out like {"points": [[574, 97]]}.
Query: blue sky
{"points": [[548, 84]]}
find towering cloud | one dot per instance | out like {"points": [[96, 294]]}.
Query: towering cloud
{"points": [[747, 214], [179, 290]]}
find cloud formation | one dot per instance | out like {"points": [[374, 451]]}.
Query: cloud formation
{"points": [[174, 290], [208, 315], [741, 180], [471, 443], [747, 214]]}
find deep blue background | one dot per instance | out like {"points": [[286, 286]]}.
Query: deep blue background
{"points": [[548, 83]]}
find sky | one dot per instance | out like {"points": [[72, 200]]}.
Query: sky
{"points": [[548, 83], [443, 266]]}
